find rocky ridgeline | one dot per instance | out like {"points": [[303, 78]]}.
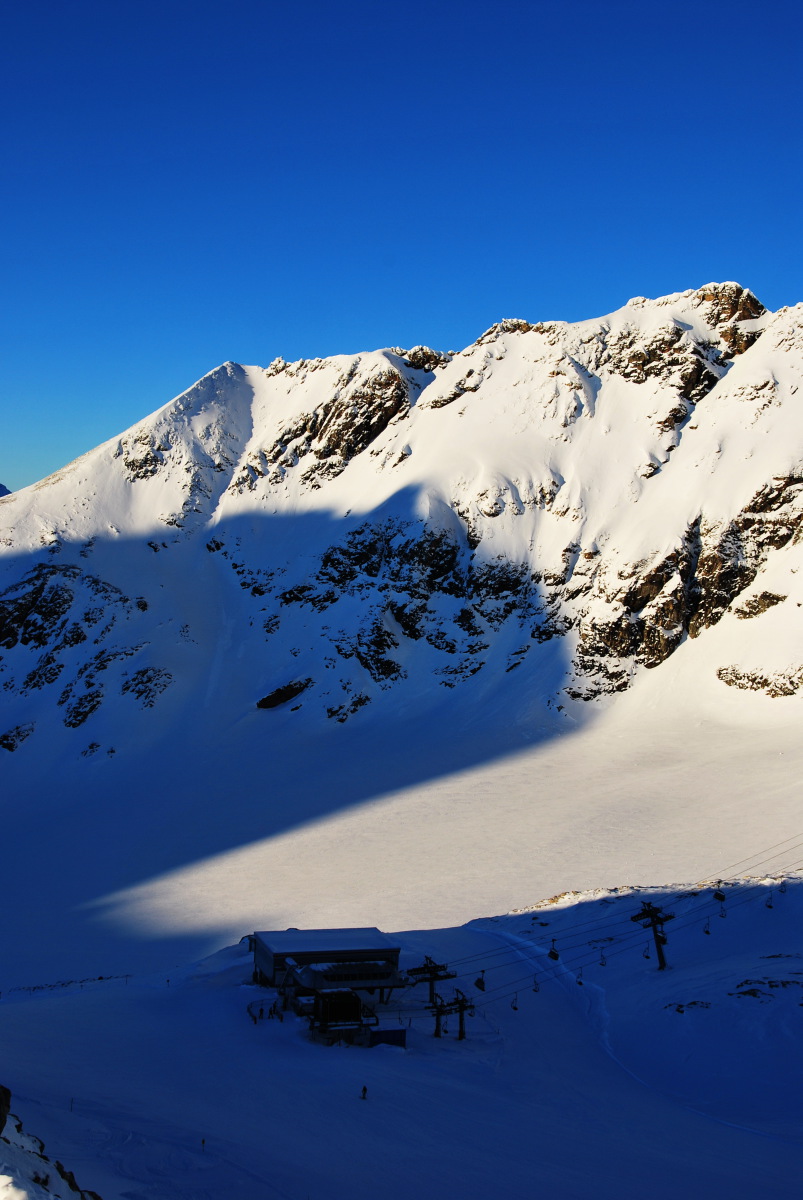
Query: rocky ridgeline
{"points": [[361, 408], [510, 557]]}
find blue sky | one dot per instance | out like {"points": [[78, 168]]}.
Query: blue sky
{"points": [[190, 182]]}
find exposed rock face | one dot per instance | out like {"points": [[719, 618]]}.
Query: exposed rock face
{"points": [[58, 609], [782, 683], [755, 605], [335, 432], [147, 684], [731, 557], [13, 738], [283, 695], [422, 358], [693, 586], [728, 302], [670, 355]]}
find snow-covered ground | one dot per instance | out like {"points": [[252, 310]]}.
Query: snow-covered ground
{"points": [[632, 1082]]}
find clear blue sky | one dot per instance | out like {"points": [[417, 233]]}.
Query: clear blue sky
{"points": [[190, 182]]}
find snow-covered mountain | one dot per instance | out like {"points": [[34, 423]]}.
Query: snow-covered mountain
{"points": [[406, 639], [326, 534], [296, 591]]}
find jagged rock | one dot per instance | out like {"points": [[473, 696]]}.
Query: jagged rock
{"points": [[508, 325], [147, 684], [47, 670], [31, 609], [731, 557], [780, 683], [726, 302], [670, 355], [421, 358], [13, 738], [758, 604], [143, 455], [83, 707], [335, 432], [371, 648], [469, 383], [281, 695], [342, 712]]}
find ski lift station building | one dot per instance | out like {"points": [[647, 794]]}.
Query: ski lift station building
{"points": [[362, 959]]}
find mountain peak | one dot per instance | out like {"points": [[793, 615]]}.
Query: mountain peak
{"points": [[409, 522]]}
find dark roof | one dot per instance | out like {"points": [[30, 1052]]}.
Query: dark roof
{"points": [[306, 941]]}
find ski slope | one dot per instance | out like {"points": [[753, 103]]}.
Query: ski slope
{"points": [[612, 1080]]}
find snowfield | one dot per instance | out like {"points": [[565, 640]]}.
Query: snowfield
{"points": [[409, 639], [617, 1081]]}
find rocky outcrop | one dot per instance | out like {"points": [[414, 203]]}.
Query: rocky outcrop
{"points": [[335, 432], [13, 738], [775, 684], [286, 693], [689, 589], [34, 611], [723, 303], [754, 606], [731, 557], [422, 358], [146, 685], [671, 355]]}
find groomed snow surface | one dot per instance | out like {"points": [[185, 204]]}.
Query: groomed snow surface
{"points": [[611, 1080]]}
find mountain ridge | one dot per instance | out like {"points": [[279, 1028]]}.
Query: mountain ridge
{"points": [[616, 483]]}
